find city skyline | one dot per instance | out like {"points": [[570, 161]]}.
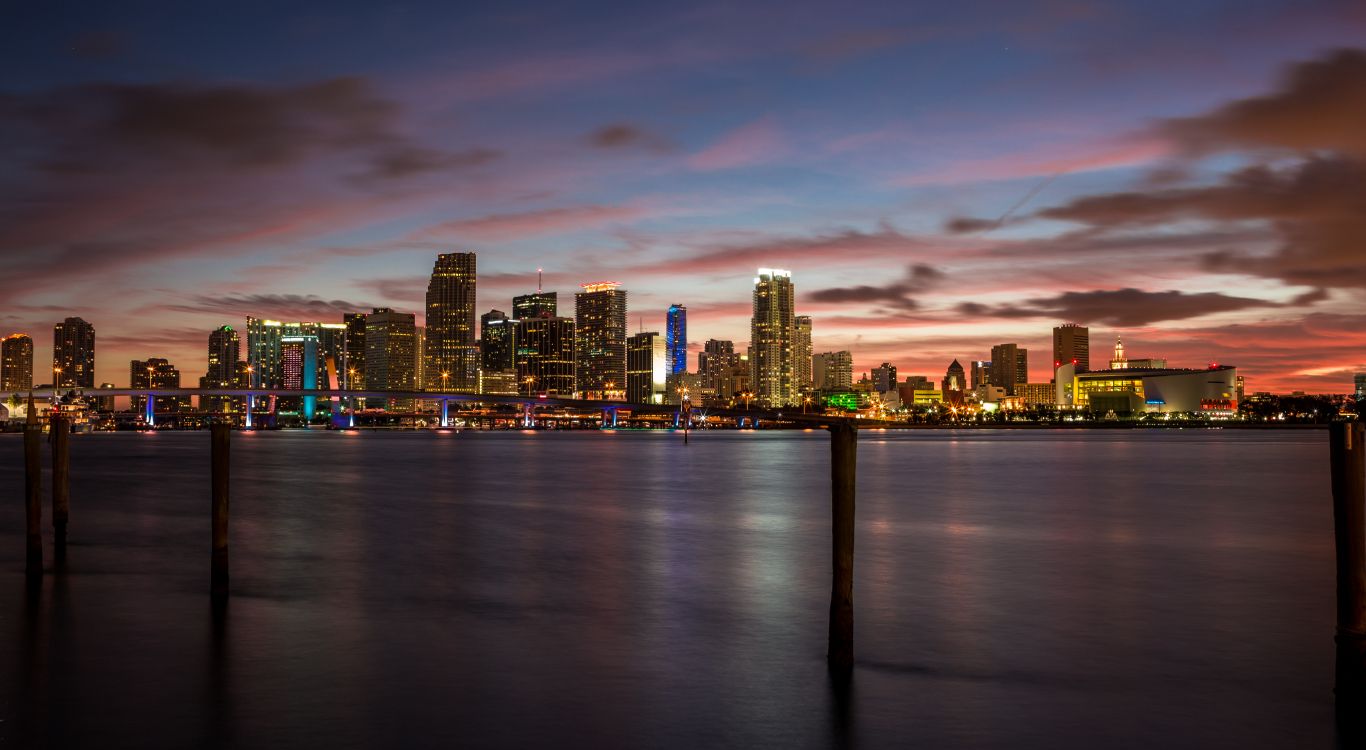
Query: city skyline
{"points": [[1068, 165]]}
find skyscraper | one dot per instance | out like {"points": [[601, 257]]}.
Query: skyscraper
{"points": [[545, 355], [263, 352], [224, 351], [1359, 381], [451, 354], [676, 338], [16, 363], [391, 353], [647, 364], [1072, 345], [73, 354], [884, 377], [355, 350], [538, 305], [600, 325], [832, 371], [954, 384], [154, 373], [801, 352], [981, 374], [1009, 366], [221, 371], [771, 334], [495, 341]]}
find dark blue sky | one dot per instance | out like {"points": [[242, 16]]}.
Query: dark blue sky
{"points": [[171, 167]]}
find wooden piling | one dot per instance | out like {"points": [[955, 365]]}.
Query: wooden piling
{"points": [[33, 494], [1347, 446], [61, 482], [220, 435], [843, 465]]}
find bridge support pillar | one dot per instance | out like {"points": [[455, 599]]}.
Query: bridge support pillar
{"points": [[61, 483], [445, 413], [843, 467], [528, 418], [33, 493], [150, 411]]}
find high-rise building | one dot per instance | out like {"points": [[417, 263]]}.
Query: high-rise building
{"points": [[771, 334], [391, 353], [832, 371], [647, 368], [801, 352], [451, 353], [676, 338], [981, 374], [1359, 380], [263, 352], [355, 350], [1009, 366], [600, 324], [334, 358], [16, 363], [954, 384], [1072, 345], [545, 355], [73, 354], [420, 360], [884, 377], [495, 341], [299, 371], [225, 350], [154, 373], [538, 305], [1117, 360]]}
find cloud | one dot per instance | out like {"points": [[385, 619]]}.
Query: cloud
{"points": [[287, 306], [919, 277], [758, 142], [1309, 189], [1321, 104], [506, 226], [622, 135], [1124, 308]]}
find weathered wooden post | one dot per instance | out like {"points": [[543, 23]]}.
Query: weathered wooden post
{"points": [[220, 435], [33, 490], [61, 482], [1347, 444], [843, 464]]}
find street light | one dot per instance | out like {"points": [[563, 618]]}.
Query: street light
{"points": [[529, 380], [445, 376], [747, 396], [805, 403]]}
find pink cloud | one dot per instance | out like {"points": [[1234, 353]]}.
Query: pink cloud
{"points": [[511, 226], [758, 142], [1084, 158]]}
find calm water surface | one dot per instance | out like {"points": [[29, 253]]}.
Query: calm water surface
{"points": [[1012, 589]]}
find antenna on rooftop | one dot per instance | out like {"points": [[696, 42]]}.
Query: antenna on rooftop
{"points": [[538, 281]]}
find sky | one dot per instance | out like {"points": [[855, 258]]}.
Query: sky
{"points": [[938, 177]]}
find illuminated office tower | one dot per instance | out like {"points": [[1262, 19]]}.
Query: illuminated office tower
{"points": [[1072, 345], [391, 354], [355, 350], [263, 352], [647, 368], [16, 363], [299, 369], [1359, 382], [538, 305], [600, 325], [981, 374], [954, 384], [884, 377], [676, 338], [420, 363], [73, 354], [771, 339], [1009, 367], [832, 371], [450, 352], [154, 373], [495, 341], [544, 354], [801, 352], [221, 372]]}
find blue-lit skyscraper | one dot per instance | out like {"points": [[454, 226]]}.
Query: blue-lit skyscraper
{"points": [[676, 338]]}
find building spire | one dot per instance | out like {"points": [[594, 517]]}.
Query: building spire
{"points": [[538, 281]]}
